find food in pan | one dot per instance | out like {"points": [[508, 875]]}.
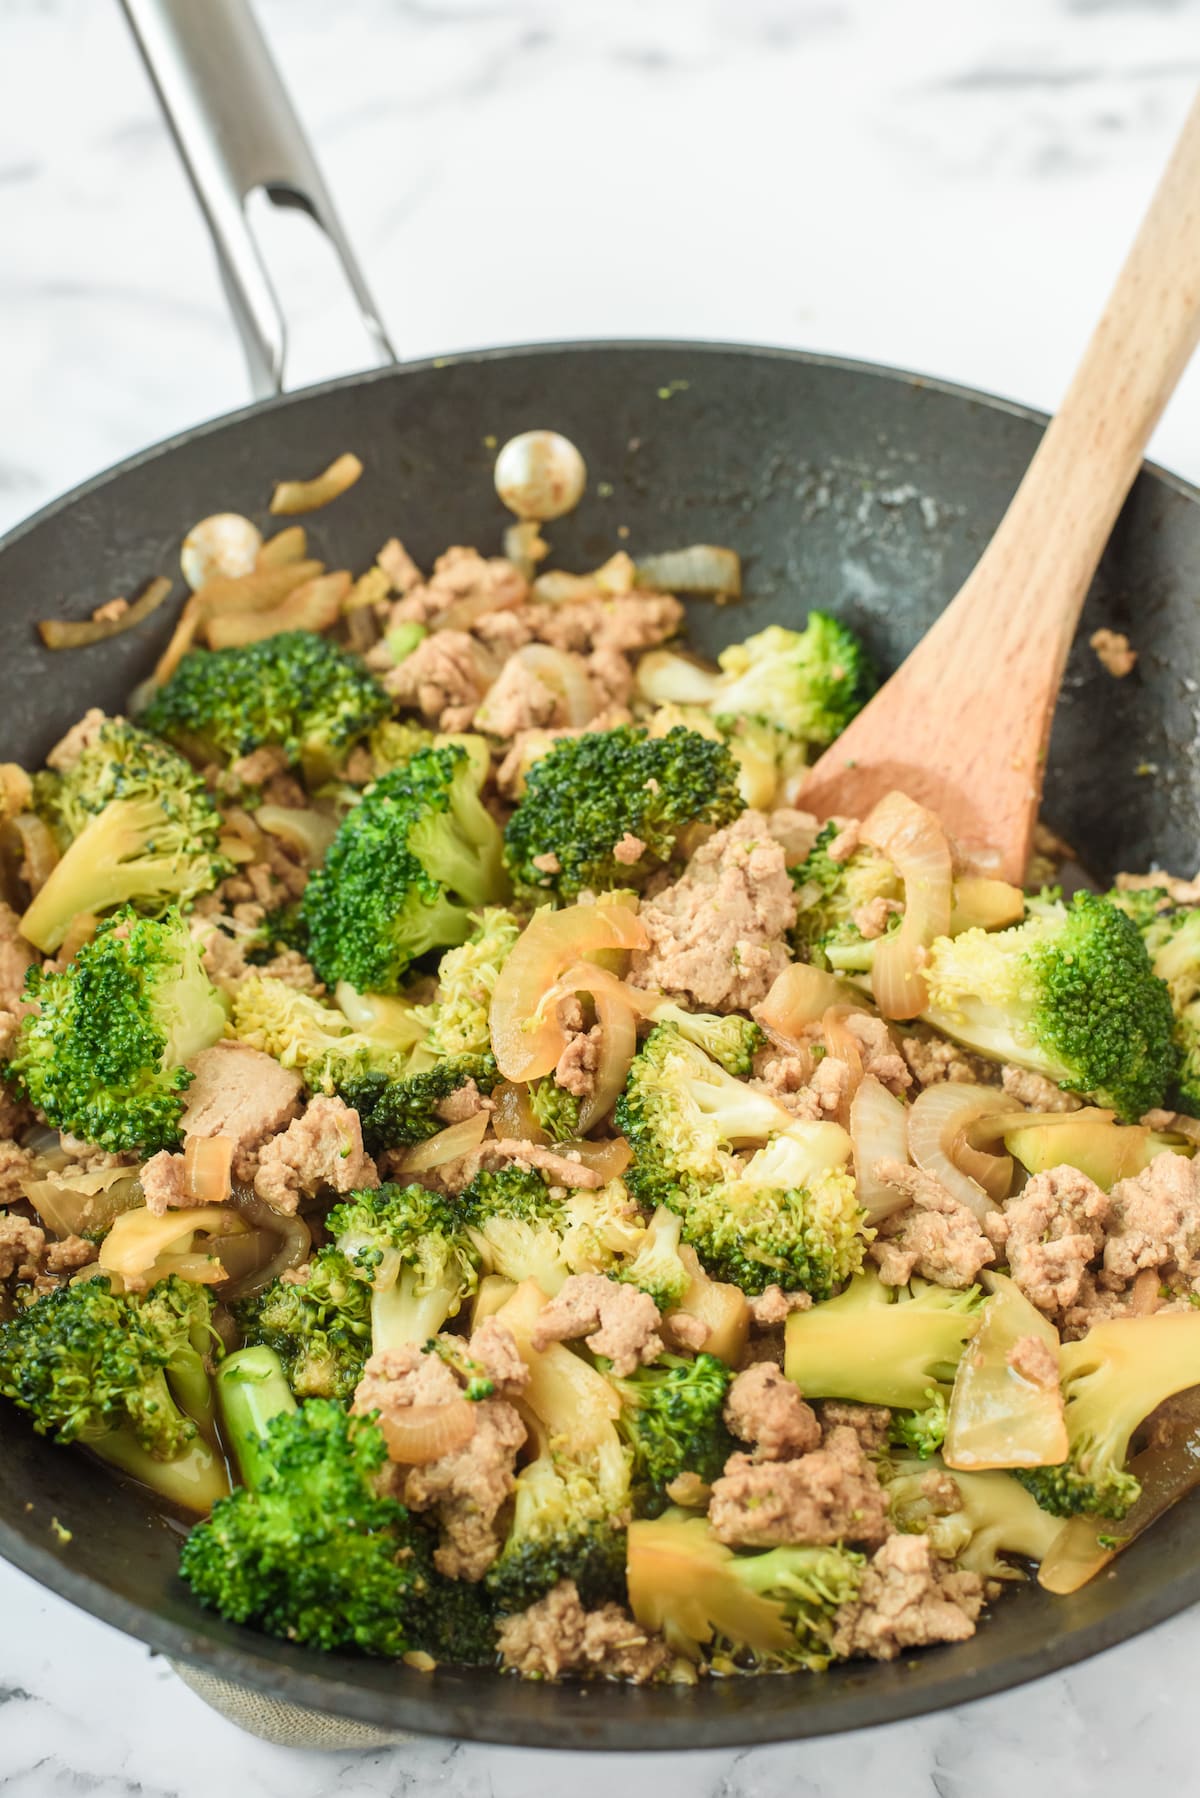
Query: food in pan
{"points": [[527, 1192]]}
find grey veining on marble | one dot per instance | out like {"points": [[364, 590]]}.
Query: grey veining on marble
{"points": [[941, 184]]}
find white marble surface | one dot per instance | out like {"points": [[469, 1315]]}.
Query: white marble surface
{"points": [[943, 184]]}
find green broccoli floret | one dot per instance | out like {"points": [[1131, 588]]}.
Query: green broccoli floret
{"points": [[320, 1327], [412, 1247], [882, 1345], [790, 1215], [295, 690], [591, 794], [732, 1040], [805, 685], [404, 873], [125, 1376], [572, 1499], [524, 1231], [828, 894], [1172, 938], [997, 1517], [457, 1021], [283, 927], [923, 1431], [318, 1040], [681, 1111], [555, 1109], [672, 1419], [773, 1610], [307, 1550], [1112, 1379], [139, 829], [656, 1266], [103, 1055], [395, 1112], [1069, 994], [393, 743]]}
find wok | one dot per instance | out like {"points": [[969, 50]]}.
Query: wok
{"points": [[859, 488]]}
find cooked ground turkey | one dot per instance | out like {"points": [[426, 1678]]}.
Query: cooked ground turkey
{"points": [[493, 1346], [320, 1151], [870, 1423], [563, 1170], [556, 1637], [15, 1114], [465, 1102], [16, 1165], [880, 1055], [579, 1062], [908, 1598], [35, 1259], [63, 757], [872, 919], [630, 622], [829, 1495], [163, 1183], [717, 934], [243, 1094], [444, 678], [615, 1319], [1050, 1233], [519, 699], [459, 574], [1155, 1220], [1035, 1361], [933, 1059], [774, 1306], [16, 958], [1114, 652], [935, 1236], [1036, 1091], [763, 1407]]}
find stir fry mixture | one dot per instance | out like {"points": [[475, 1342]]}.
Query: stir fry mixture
{"points": [[532, 1195]]}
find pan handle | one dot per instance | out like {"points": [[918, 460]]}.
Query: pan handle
{"points": [[237, 131]]}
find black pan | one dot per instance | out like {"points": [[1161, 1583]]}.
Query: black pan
{"points": [[849, 486]]}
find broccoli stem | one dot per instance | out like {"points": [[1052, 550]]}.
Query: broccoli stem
{"points": [[252, 1389], [194, 1480], [401, 1315]]}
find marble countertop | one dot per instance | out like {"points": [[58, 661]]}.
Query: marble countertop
{"points": [[941, 186]]}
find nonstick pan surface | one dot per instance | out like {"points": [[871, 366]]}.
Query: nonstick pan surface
{"points": [[843, 485]]}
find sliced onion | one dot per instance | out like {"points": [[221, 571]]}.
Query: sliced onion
{"points": [[290, 1232], [842, 1044], [138, 1240], [525, 547], [418, 1434], [997, 1417], [306, 830], [609, 1158], [192, 1265], [983, 904], [288, 545], [78, 1204], [207, 1161], [527, 1037], [914, 841], [566, 676], [556, 587], [793, 1047], [800, 995], [291, 497], [314, 606], [513, 1115], [39, 851], [879, 1132], [244, 1259], [618, 1046], [395, 1023], [264, 588], [939, 1121], [455, 1140], [78, 633], [703, 568]]}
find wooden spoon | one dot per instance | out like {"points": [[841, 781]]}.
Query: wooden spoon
{"points": [[963, 725]]}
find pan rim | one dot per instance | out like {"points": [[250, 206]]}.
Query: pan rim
{"points": [[414, 1704]]}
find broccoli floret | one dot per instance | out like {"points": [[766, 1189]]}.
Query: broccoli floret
{"points": [[394, 1112], [413, 1248], [319, 1327], [1069, 994], [590, 793], [882, 1345], [828, 894], [394, 743], [1172, 938], [283, 927], [124, 1375], [295, 690], [1112, 1379], [524, 1231], [672, 1420], [318, 1040], [140, 830], [923, 1431], [573, 1497], [770, 1610], [555, 1109], [731, 1040], [790, 1215], [997, 1517], [103, 1055], [681, 1111], [404, 873], [458, 1019], [805, 686], [657, 1266]]}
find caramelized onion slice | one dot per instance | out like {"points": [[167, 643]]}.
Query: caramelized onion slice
{"points": [[800, 995], [419, 1434], [39, 850], [309, 831], [703, 568], [609, 1157], [527, 1038], [997, 1418], [73, 1204], [207, 1161], [513, 1115], [138, 1240], [291, 497], [879, 1132], [314, 606], [842, 1045], [78, 633], [288, 1232], [939, 1121], [455, 1140], [288, 545], [914, 841], [618, 1046]]}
